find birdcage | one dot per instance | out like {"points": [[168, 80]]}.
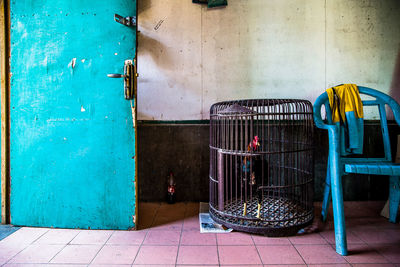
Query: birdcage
{"points": [[261, 165]]}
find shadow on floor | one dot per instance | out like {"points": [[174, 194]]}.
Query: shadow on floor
{"points": [[6, 230]]}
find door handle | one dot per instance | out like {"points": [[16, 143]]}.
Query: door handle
{"points": [[130, 79], [115, 75]]}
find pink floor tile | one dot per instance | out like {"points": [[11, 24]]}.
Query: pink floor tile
{"points": [[92, 237], [363, 223], [7, 251], [364, 226], [166, 225], [362, 253], [197, 238], [264, 240], [390, 252], [238, 255], [157, 255], [191, 224], [281, 265], [169, 215], [308, 239], [77, 254], [374, 265], [162, 238], [234, 238], [153, 265], [25, 235], [357, 209], [43, 265], [192, 209], [331, 265], [197, 255], [382, 223], [107, 265], [319, 254], [279, 255], [127, 238], [121, 254], [148, 206], [37, 254], [57, 236], [177, 208], [145, 223], [379, 236], [351, 238]]}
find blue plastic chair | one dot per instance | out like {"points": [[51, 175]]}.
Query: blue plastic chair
{"points": [[338, 165]]}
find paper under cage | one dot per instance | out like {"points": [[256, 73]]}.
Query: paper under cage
{"points": [[261, 165]]}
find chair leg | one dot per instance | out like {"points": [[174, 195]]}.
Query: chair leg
{"points": [[327, 195], [338, 209], [394, 198]]}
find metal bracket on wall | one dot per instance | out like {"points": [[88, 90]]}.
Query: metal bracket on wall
{"points": [[127, 21]]}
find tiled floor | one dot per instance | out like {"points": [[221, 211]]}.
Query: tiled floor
{"points": [[169, 236]]}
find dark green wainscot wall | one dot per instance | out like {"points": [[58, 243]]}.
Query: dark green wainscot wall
{"points": [[182, 147]]}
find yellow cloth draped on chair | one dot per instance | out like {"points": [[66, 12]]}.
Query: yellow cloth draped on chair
{"points": [[349, 101], [347, 112]]}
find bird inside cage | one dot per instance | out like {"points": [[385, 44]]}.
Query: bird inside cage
{"points": [[255, 172]]}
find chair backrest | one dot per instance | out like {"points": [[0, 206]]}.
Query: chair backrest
{"points": [[380, 100]]}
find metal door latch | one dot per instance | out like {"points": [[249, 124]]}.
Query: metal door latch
{"points": [[127, 21], [130, 78]]}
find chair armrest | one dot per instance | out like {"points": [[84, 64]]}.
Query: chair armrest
{"points": [[333, 129], [321, 100]]}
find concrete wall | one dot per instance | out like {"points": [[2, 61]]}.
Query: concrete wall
{"points": [[191, 57]]}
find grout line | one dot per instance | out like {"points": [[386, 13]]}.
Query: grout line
{"points": [[140, 246], [147, 232], [379, 253], [179, 247], [216, 242], [27, 245], [301, 256], [40, 236], [154, 217], [219, 261], [101, 247], [258, 252], [333, 246], [80, 231], [180, 236], [69, 242]]}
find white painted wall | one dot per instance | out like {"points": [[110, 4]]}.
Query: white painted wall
{"points": [[190, 57]]}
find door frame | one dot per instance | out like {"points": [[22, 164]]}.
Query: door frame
{"points": [[134, 118], [5, 109]]}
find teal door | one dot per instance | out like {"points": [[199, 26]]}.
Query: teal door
{"points": [[72, 133]]}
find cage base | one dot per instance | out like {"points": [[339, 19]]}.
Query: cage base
{"points": [[279, 217]]}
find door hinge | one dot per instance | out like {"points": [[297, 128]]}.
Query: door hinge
{"points": [[127, 21], [134, 117]]}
